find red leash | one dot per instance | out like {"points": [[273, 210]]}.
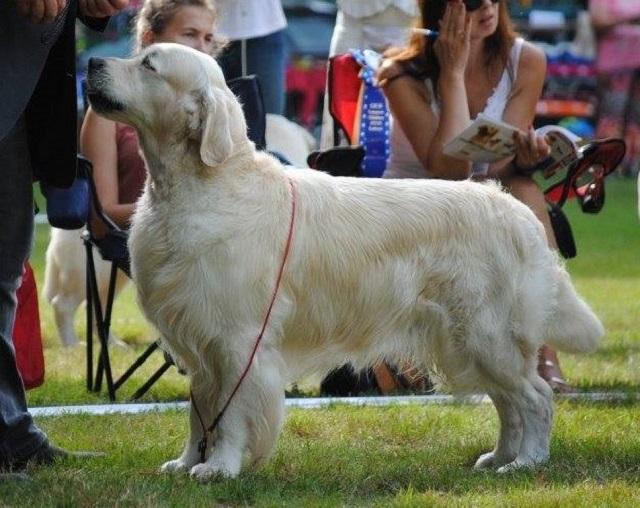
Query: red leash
{"points": [[207, 431]]}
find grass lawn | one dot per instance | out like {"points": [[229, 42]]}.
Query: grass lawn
{"points": [[399, 456], [396, 456]]}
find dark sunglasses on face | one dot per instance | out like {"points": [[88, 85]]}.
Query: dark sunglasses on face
{"points": [[474, 5]]}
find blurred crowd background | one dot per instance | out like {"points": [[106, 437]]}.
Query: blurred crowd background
{"points": [[563, 28]]}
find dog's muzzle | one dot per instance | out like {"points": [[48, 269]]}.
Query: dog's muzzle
{"points": [[96, 80]]}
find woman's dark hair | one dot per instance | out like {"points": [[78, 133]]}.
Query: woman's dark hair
{"points": [[420, 57]]}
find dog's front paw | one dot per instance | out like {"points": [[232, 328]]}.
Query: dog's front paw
{"points": [[523, 462], [485, 461], [514, 466], [177, 465], [209, 471], [492, 460]]}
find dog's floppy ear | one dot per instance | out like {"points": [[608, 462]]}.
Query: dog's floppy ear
{"points": [[216, 144]]}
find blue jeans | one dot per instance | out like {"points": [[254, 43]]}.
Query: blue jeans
{"points": [[266, 57], [19, 436]]}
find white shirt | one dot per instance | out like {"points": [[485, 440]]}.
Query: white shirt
{"points": [[247, 19], [403, 162], [366, 8]]}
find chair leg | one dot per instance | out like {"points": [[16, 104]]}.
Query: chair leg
{"points": [[134, 366], [89, 332], [102, 326], [104, 363], [143, 389], [106, 326]]}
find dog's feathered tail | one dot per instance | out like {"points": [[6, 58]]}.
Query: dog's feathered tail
{"points": [[573, 326]]}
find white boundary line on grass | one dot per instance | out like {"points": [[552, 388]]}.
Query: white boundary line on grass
{"points": [[318, 402]]}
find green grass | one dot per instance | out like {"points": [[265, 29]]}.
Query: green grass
{"points": [[344, 456]]}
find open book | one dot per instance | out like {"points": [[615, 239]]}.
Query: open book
{"points": [[489, 140]]}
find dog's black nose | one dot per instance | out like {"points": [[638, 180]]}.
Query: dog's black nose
{"points": [[95, 64]]}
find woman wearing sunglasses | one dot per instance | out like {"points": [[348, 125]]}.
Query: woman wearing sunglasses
{"points": [[436, 87]]}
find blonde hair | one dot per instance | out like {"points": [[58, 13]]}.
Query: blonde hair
{"points": [[155, 15]]}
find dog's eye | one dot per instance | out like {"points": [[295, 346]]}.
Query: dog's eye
{"points": [[146, 62]]}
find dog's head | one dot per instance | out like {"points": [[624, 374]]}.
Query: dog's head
{"points": [[170, 94]]}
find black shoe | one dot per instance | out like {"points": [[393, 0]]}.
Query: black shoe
{"points": [[45, 455]]}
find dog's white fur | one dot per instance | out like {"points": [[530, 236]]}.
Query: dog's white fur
{"points": [[456, 276], [289, 139], [65, 269]]}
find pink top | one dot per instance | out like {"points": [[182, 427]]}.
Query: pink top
{"points": [[131, 169]]}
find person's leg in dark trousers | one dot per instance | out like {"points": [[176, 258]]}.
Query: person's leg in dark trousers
{"points": [[19, 436], [266, 57]]}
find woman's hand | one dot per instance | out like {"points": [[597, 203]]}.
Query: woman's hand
{"points": [[452, 45], [101, 8], [41, 11], [531, 150], [388, 71]]}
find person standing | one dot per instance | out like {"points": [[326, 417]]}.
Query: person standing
{"points": [[376, 25], [257, 45], [617, 26], [37, 141]]}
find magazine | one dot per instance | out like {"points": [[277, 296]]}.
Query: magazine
{"points": [[489, 140]]}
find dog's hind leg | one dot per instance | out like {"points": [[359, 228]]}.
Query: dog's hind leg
{"points": [[506, 367], [510, 437], [64, 311], [534, 402]]}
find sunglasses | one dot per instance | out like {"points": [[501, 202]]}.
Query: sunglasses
{"points": [[585, 178], [474, 5]]}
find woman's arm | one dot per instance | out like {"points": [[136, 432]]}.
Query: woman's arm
{"points": [[521, 109], [98, 144], [452, 50], [409, 102]]}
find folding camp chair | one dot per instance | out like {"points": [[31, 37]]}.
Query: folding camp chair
{"points": [[360, 115], [112, 247]]}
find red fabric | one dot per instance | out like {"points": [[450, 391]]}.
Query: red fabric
{"points": [[131, 170], [344, 91], [309, 81], [27, 337]]}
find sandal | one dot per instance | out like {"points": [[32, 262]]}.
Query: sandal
{"points": [[549, 370]]}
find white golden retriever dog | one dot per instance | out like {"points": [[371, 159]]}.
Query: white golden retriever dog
{"points": [[456, 276]]}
